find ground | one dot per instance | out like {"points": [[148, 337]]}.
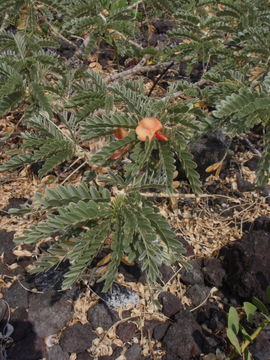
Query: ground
{"points": [[222, 231]]}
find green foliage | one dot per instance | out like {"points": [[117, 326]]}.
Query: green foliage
{"points": [[81, 219], [26, 64], [47, 145], [238, 335], [222, 50]]}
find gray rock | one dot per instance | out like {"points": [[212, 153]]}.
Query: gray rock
{"points": [[84, 356], [182, 337], [197, 293], [213, 271], [126, 331], [6, 246], [56, 352], [3, 310], [101, 316], [170, 303], [260, 349], [116, 353], [166, 272], [19, 321], [16, 295], [193, 275], [119, 296], [247, 262], [77, 338], [209, 149], [29, 348], [160, 330], [49, 314], [134, 352], [253, 163]]}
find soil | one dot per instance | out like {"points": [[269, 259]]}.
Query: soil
{"points": [[226, 233]]}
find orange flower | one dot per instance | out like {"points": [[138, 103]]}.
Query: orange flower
{"points": [[149, 128], [119, 153], [120, 133]]}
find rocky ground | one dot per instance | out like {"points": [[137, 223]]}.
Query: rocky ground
{"points": [[227, 236]]}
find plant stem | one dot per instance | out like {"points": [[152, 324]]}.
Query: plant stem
{"points": [[254, 335]]}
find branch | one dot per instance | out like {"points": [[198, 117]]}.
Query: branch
{"points": [[136, 70]]}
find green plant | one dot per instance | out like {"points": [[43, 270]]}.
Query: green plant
{"points": [[46, 138], [64, 108], [26, 71], [238, 335], [229, 41], [82, 220]]}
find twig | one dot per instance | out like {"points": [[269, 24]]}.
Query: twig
{"points": [[135, 70], [130, 7], [184, 196], [250, 145], [62, 37], [29, 290], [159, 78], [132, 42], [180, 93], [211, 292], [73, 172]]}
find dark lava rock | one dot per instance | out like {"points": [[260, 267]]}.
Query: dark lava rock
{"points": [[6, 246], [160, 330], [20, 323], [213, 272], [253, 163], [3, 310], [207, 150], [183, 338], [49, 313], [243, 185], [262, 223], [247, 262], [265, 192], [84, 356], [170, 303], [51, 279], [56, 352], [16, 295], [197, 293], [13, 203], [214, 318], [189, 251], [116, 353], [260, 349], [29, 348], [149, 326], [101, 315], [134, 352], [77, 338], [166, 272], [193, 275], [126, 331], [163, 25], [118, 297], [131, 273], [5, 271]]}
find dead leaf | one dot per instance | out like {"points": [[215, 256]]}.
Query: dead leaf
{"points": [[105, 260], [22, 253], [125, 261]]}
